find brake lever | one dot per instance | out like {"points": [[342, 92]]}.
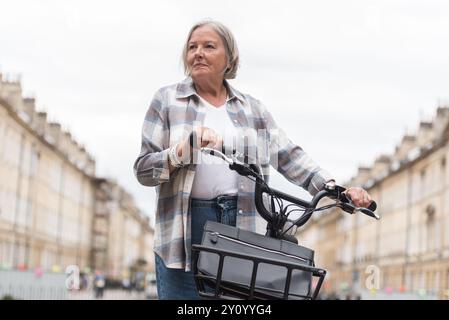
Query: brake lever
{"points": [[368, 213], [347, 205]]}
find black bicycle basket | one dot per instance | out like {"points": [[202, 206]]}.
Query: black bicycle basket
{"points": [[233, 263]]}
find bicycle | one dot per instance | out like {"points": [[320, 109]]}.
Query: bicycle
{"points": [[232, 263]]}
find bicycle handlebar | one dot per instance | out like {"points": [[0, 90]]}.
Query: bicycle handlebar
{"points": [[251, 170]]}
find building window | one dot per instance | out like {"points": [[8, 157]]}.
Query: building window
{"points": [[423, 174], [443, 172], [431, 234], [423, 183]]}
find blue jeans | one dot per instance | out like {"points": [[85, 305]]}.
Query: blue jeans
{"points": [[176, 284]]}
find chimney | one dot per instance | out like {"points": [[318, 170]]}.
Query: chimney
{"points": [[29, 106], [86, 162], [441, 121], [11, 91], [426, 134], [53, 133], [39, 123], [65, 142], [381, 166], [443, 111], [407, 144], [82, 157], [90, 168], [73, 151], [363, 175]]}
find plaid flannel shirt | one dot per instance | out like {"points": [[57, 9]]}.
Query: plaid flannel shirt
{"points": [[173, 113]]}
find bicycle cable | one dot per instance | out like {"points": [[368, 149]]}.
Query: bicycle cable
{"points": [[333, 205]]}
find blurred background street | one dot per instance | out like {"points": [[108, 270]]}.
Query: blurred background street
{"points": [[361, 86]]}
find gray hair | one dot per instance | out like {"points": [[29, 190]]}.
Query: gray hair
{"points": [[232, 52]]}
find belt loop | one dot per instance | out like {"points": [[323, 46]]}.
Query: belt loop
{"points": [[219, 204]]}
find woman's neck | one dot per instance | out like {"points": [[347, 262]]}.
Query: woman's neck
{"points": [[213, 92]]}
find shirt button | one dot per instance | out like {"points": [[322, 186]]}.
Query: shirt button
{"points": [[240, 211]]}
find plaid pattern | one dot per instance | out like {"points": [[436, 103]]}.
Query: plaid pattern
{"points": [[173, 113]]}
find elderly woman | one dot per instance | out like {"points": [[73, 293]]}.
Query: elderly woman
{"points": [[192, 192]]}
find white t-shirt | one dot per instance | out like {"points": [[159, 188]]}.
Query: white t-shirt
{"points": [[213, 176]]}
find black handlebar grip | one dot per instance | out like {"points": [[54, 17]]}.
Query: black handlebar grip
{"points": [[345, 198], [372, 206]]}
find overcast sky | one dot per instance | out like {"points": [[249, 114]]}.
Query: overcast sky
{"points": [[344, 79]]}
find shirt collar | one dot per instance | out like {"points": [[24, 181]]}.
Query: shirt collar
{"points": [[186, 89]]}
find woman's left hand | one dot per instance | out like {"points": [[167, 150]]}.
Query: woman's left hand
{"points": [[360, 197]]}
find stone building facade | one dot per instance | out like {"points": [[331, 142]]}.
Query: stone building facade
{"points": [[406, 253], [53, 208]]}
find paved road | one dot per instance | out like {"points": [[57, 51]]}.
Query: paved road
{"points": [[113, 295]]}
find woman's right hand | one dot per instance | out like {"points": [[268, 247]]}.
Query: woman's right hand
{"points": [[205, 137]]}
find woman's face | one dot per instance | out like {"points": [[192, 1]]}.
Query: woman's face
{"points": [[206, 55]]}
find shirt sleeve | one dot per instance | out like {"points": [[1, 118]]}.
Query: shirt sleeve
{"points": [[291, 160], [151, 167]]}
